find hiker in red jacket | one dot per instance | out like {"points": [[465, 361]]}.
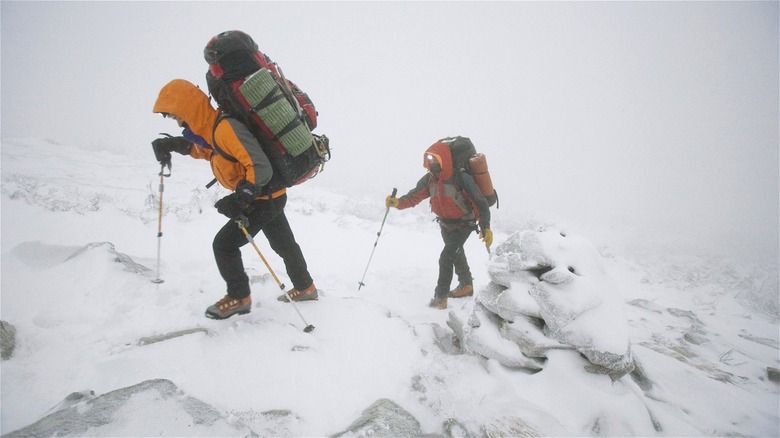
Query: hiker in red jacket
{"points": [[190, 108], [459, 206]]}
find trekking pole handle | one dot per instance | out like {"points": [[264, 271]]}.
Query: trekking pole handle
{"points": [[379, 233], [161, 188]]}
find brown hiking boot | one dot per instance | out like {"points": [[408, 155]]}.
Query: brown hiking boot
{"points": [[310, 293], [438, 303], [228, 306], [463, 290]]}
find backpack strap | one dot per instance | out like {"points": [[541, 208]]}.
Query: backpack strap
{"points": [[457, 177], [216, 148], [222, 116], [266, 191], [458, 180]]}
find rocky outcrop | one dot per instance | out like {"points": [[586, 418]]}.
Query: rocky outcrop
{"points": [[549, 290], [384, 418], [82, 414]]}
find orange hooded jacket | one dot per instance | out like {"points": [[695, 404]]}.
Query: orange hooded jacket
{"points": [[185, 100]]}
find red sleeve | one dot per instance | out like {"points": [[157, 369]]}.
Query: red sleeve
{"points": [[417, 194]]}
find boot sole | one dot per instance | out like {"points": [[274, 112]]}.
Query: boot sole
{"points": [[284, 299], [215, 316], [451, 295]]}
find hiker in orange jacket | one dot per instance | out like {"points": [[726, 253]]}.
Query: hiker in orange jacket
{"points": [[459, 207], [258, 211]]}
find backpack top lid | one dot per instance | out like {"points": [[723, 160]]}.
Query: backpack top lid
{"points": [[461, 148], [226, 43], [232, 55]]}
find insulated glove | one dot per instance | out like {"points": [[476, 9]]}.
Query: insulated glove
{"points": [[487, 236], [246, 192], [231, 206], [164, 146], [391, 201]]}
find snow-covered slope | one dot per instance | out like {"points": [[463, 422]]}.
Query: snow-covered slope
{"points": [[79, 251]]}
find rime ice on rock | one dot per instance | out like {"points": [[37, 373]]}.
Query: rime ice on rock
{"points": [[549, 290]]}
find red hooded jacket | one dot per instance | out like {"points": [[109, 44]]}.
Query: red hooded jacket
{"points": [[454, 194]]}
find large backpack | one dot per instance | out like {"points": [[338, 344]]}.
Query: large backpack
{"points": [[465, 158], [249, 87]]}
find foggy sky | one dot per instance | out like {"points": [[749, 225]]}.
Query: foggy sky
{"points": [[654, 119]]}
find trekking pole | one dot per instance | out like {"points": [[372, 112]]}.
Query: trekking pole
{"points": [[158, 280], [379, 233], [240, 222]]}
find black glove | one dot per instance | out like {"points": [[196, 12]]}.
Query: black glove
{"points": [[231, 206], [246, 191], [164, 146]]}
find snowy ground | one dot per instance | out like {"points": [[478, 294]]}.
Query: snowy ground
{"points": [[79, 245]]}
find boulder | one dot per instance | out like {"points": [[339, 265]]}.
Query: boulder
{"points": [[7, 340], [482, 335], [384, 418], [549, 289], [153, 407]]}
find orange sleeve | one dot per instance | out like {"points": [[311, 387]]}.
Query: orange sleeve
{"points": [[200, 153]]}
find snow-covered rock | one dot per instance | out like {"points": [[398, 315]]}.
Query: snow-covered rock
{"points": [[384, 418], [481, 335], [165, 411], [549, 290]]}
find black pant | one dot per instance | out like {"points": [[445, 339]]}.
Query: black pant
{"points": [[453, 256], [269, 217]]}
